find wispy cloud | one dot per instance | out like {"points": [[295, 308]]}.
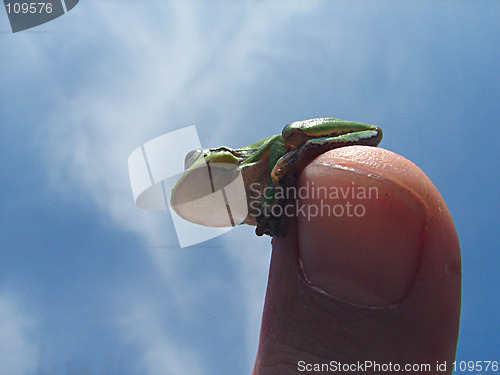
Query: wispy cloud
{"points": [[18, 351], [160, 353], [155, 70]]}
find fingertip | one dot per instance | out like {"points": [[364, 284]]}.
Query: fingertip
{"points": [[362, 237]]}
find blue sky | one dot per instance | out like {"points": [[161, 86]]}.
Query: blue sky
{"points": [[89, 281]]}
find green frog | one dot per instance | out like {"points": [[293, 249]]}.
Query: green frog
{"points": [[266, 166]]}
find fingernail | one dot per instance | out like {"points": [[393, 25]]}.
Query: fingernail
{"points": [[363, 244]]}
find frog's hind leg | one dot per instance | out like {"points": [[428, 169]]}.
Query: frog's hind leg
{"points": [[287, 170]]}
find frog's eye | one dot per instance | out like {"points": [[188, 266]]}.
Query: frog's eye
{"points": [[191, 157]]}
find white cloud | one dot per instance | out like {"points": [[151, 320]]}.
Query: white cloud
{"points": [[18, 353], [133, 87], [160, 354], [150, 71]]}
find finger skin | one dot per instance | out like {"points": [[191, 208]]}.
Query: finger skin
{"points": [[301, 323]]}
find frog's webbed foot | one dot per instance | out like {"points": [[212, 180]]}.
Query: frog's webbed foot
{"points": [[271, 225]]}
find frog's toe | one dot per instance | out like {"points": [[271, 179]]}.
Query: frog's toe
{"points": [[262, 226], [259, 231], [270, 225]]}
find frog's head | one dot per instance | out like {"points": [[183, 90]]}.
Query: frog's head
{"points": [[207, 171]]}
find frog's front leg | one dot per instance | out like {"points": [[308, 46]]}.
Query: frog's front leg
{"points": [[267, 222], [287, 170]]}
